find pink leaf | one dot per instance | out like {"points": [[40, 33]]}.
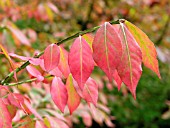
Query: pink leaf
{"points": [[73, 97], [34, 61], [90, 91], [56, 72], [130, 69], [63, 63], [34, 72], [107, 49], [55, 122], [32, 109], [117, 79], [22, 38], [80, 61], [5, 119], [59, 93], [87, 119], [18, 101], [51, 57]]}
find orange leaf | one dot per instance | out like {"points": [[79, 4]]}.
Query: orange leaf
{"points": [[73, 97], [149, 55]]}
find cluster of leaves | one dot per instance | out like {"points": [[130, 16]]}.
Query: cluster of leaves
{"points": [[118, 50], [114, 49]]}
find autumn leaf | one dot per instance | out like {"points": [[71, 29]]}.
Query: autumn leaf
{"points": [[89, 39], [35, 73], [17, 100], [129, 69], [149, 55], [51, 57], [90, 91], [80, 61], [107, 49], [5, 119], [63, 63], [7, 56], [19, 34], [59, 93], [117, 79], [73, 97]]}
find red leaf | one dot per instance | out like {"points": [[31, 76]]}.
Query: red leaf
{"points": [[63, 63], [107, 49], [59, 93], [80, 61], [90, 91], [73, 97], [130, 69], [5, 119], [117, 79], [149, 55], [34, 72], [51, 57]]}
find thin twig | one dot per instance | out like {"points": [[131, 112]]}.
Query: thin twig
{"points": [[25, 81], [11, 74]]}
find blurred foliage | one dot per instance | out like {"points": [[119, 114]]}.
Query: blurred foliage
{"points": [[147, 110], [42, 24]]}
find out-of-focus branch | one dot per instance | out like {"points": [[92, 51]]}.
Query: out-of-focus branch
{"points": [[25, 81], [158, 42]]}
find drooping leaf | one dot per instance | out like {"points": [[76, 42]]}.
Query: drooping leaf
{"points": [[90, 91], [149, 55], [87, 118], [34, 72], [51, 57], [73, 97], [117, 79], [7, 56], [129, 69], [5, 119], [80, 61], [59, 93], [107, 49], [17, 100], [63, 63]]}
